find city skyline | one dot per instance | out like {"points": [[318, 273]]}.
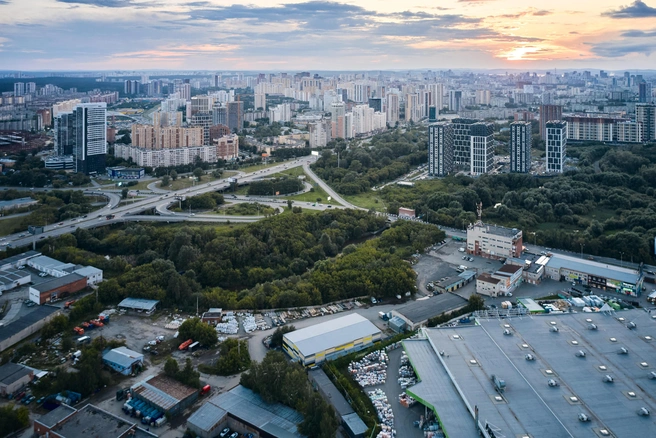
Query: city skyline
{"points": [[371, 35]]}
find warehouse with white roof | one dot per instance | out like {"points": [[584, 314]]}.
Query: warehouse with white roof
{"points": [[331, 339]]}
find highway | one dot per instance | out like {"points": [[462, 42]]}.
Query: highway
{"points": [[162, 201], [328, 189]]}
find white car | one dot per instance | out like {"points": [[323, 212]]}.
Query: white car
{"points": [[152, 342]]}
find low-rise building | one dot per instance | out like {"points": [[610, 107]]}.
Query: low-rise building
{"points": [[13, 377], [417, 313], [15, 262], [165, 394], [245, 412], [486, 284], [13, 278], [25, 326], [493, 241], [331, 339], [138, 305], [594, 274], [89, 421], [212, 316], [510, 276], [57, 288], [406, 212], [122, 172], [123, 360], [6, 206]]}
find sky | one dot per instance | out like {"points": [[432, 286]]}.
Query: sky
{"points": [[270, 35]]}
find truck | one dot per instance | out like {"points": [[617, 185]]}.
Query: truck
{"points": [[383, 316], [78, 330], [77, 355], [652, 297], [205, 389], [68, 304], [84, 340]]}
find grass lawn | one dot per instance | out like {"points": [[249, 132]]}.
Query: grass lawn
{"points": [[312, 197], [185, 183], [7, 226], [256, 167], [367, 200], [601, 214], [293, 172]]}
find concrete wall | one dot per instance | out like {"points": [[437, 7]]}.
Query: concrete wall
{"points": [[59, 292]]}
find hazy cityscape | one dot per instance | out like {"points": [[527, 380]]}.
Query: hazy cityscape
{"points": [[323, 219]]}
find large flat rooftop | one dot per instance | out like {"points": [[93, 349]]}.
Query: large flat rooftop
{"points": [[603, 270], [421, 310], [463, 360], [94, 422]]}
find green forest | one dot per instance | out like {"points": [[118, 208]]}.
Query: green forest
{"points": [[293, 259], [605, 207], [386, 157]]}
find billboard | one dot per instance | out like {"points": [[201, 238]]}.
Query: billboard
{"points": [[34, 230]]}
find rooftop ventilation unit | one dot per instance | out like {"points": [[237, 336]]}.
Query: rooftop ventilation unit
{"points": [[583, 418], [554, 329], [592, 326], [530, 357], [507, 332], [552, 383], [575, 342], [632, 325], [643, 411], [623, 351], [652, 375], [608, 378], [580, 353], [604, 432]]}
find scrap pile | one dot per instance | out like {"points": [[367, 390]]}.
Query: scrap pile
{"points": [[386, 432], [249, 323], [228, 325], [407, 375], [383, 408], [371, 370], [406, 400]]}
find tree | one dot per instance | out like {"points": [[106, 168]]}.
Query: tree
{"points": [[124, 193], [174, 175], [476, 302], [166, 181], [197, 330], [198, 173], [276, 337], [171, 368]]}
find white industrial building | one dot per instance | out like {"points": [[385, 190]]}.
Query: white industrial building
{"points": [[331, 339], [58, 269], [12, 279]]}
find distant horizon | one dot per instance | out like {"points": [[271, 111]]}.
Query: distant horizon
{"points": [[280, 35]]}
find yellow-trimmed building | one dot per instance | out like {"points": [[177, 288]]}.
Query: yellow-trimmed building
{"points": [[331, 339]]}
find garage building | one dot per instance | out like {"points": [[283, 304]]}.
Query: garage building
{"points": [[417, 313], [331, 339], [57, 288]]}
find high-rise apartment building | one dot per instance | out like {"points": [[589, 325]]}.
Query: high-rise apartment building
{"points": [[646, 115], [482, 148], [455, 100], [166, 137], [376, 103], [203, 120], [462, 141], [320, 134], [338, 125], [629, 132], [30, 88], [392, 108], [281, 113], [440, 149], [556, 132], [520, 147], [235, 115], [260, 101], [483, 97], [412, 109], [19, 89], [90, 137], [64, 134], [437, 96], [592, 127], [547, 114], [644, 92], [227, 147]]}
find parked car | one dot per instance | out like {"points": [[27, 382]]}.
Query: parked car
{"points": [[234, 435], [224, 432]]}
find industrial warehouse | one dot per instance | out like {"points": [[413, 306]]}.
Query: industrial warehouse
{"points": [[565, 375], [331, 339]]}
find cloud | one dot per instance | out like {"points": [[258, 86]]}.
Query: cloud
{"points": [[622, 48], [529, 12], [107, 3], [637, 9], [4, 2], [639, 33]]}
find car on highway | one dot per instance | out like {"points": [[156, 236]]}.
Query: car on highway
{"points": [[61, 223]]}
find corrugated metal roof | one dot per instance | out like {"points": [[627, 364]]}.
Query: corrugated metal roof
{"points": [[333, 333], [207, 417], [123, 357], [155, 396], [8, 277], [39, 313], [247, 405], [13, 259], [559, 261], [138, 304]]}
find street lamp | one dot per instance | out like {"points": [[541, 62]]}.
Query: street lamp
{"points": [[582, 245], [621, 259]]}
